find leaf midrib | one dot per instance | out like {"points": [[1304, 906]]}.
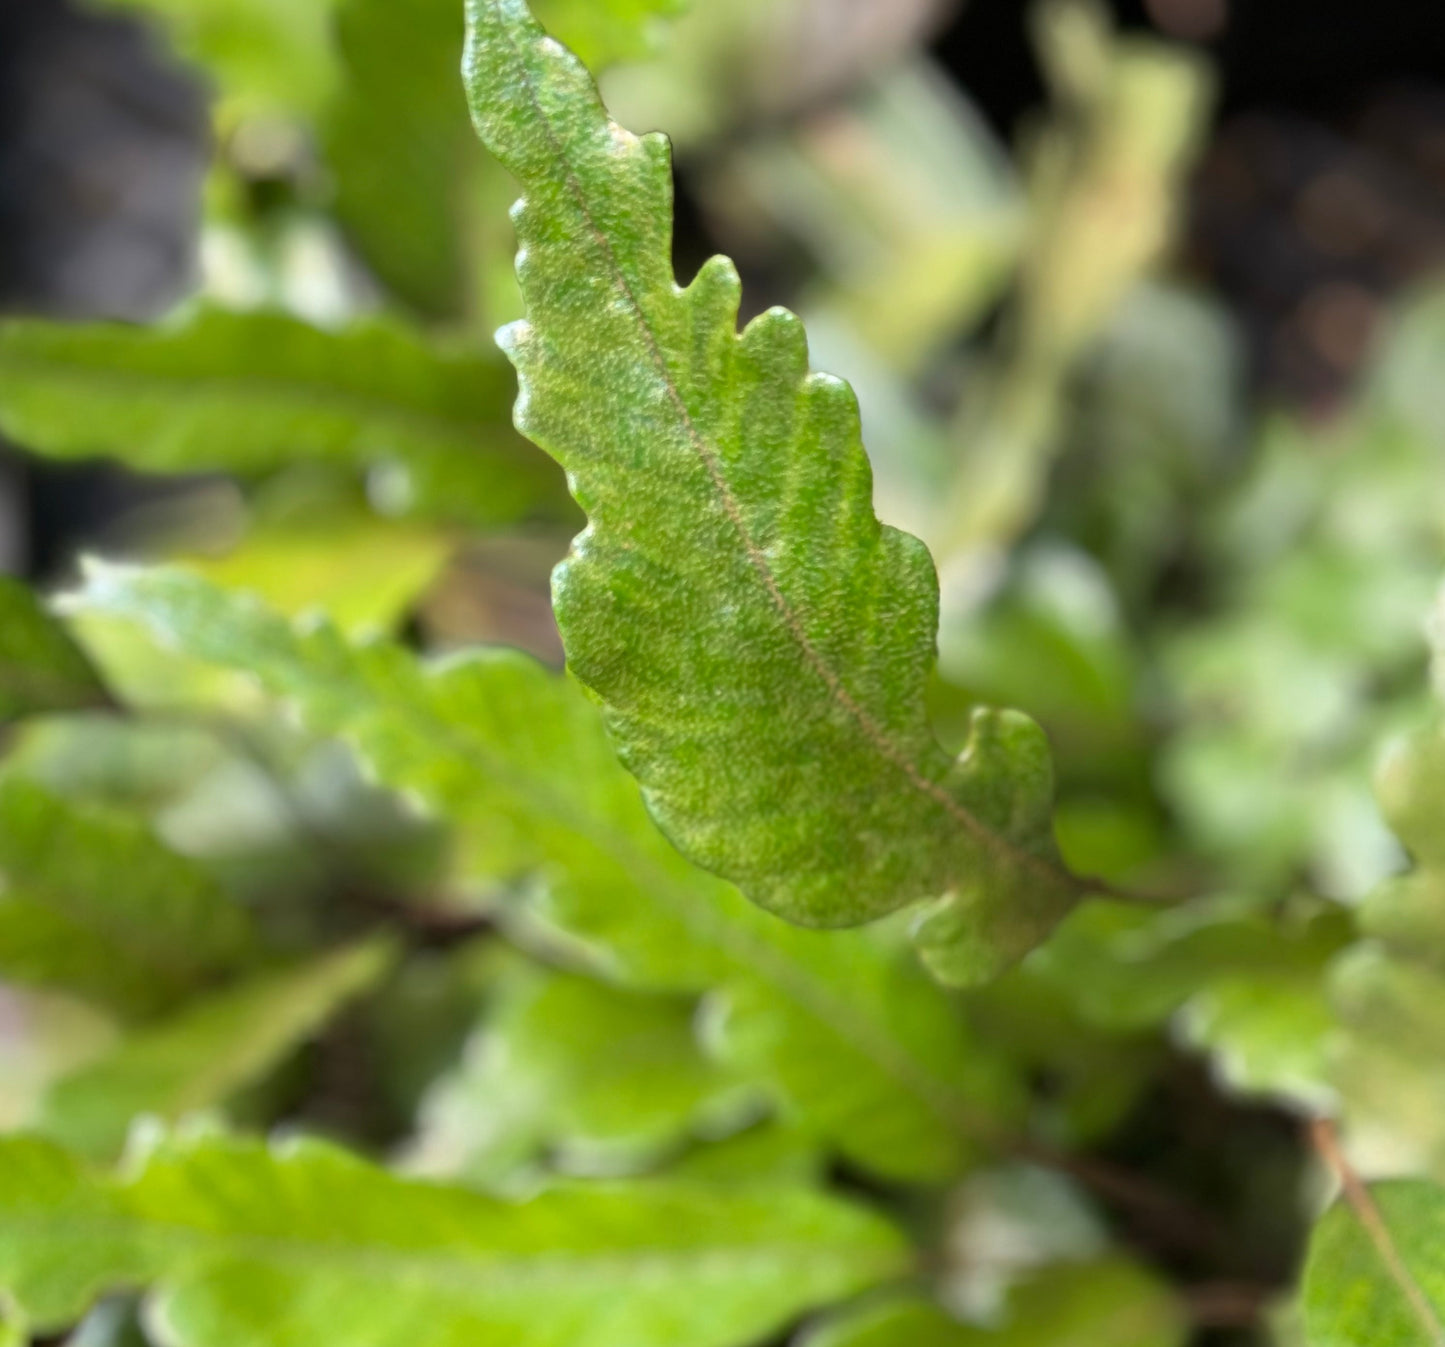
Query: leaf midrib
{"points": [[1003, 849]]}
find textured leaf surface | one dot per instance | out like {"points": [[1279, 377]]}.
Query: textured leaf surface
{"points": [[254, 392], [251, 1248], [760, 644], [1087, 1305], [68, 921], [41, 668], [601, 1079], [1377, 1279], [859, 1044], [202, 1056]]}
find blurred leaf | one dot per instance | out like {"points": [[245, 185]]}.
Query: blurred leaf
{"points": [[1386, 1056], [1387, 992], [128, 764], [401, 150], [410, 179], [43, 1036], [240, 1244], [769, 1155], [1086, 1305], [1128, 968], [1376, 1277], [201, 1056], [41, 668], [364, 574], [865, 1051], [730, 503], [1267, 1033], [92, 903], [251, 393], [1054, 642], [602, 32], [600, 1079], [904, 198], [1105, 177], [265, 56], [1246, 986]]}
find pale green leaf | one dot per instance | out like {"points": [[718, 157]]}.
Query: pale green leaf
{"points": [[200, 1057], [1387, 993], [603, 1080], [41, 668], [860, 1045], [1385, 1056], [251, 393], [245, 1247], [1268, 1033], [56, 1035], [1375, 1275], [92, 902], [769, 1154], [364, 573], [760, 644], [13, 1332], [1084, 1305]]}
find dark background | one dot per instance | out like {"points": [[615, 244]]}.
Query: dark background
{"points": [[1322, 194]]}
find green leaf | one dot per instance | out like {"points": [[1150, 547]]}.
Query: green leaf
{"points": [[1084, 1305], [862, 1048], [400, 148], [252, 393], [603, 32], [13, 1332], [603, 1080], [202, 1056], [266, 56], [41, 668], [1268, 1033], [364, 573], [1387, 1049], [760, 644], [92, 902], [412, 186], [245, 1247], [1375, 1276]]}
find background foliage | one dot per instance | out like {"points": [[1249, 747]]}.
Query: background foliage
{"points": [[759, 978]]}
